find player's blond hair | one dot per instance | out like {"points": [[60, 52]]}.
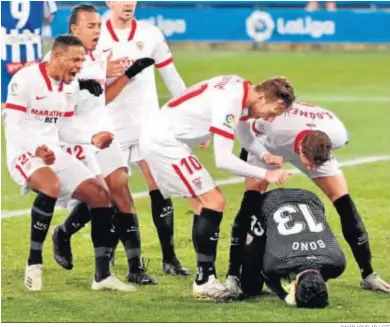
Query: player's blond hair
{"points": [[277, 88]]}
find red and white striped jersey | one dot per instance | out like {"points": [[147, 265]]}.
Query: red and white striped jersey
{"points": [[139, 99]]}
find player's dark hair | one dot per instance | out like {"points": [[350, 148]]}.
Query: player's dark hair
{"points": [[278, 88], [66, 41], [311, 291], [317, 147], [75, 13]]}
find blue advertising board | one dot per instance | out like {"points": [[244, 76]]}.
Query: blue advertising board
{"points": [[242, 3], [246, 24]]}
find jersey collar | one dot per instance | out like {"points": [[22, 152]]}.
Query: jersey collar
{"points": [[42, 69], [114, 36], [90, 53], [246, 86], [299, 138]]}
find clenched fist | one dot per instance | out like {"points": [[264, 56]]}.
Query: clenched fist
{"points": [[278, 176], [102, 140], [47, 155], [270, 159]]}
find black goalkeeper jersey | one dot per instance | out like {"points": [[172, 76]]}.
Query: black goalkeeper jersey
{"points": [[297, 235]]}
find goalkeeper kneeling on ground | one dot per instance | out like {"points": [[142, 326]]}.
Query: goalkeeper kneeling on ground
{"points": [[291, 248]]}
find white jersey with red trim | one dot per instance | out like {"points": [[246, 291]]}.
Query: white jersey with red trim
{"points": [[139, 99], [90, 111], [43, 102], [211, 106], [286, 131]]}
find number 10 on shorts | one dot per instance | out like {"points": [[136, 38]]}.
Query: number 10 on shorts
{"points": [[193, 175]]}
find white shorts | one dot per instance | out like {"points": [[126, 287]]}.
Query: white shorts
{"points": [[110, 159], [99, 162], [132, 154], [70, 171], [176, 170], [85, 154], [329, 168]]}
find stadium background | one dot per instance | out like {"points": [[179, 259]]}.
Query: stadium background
{"points": [[336, 59]]}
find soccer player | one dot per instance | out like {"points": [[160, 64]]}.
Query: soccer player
{"points": [[21, 36], [123, 36], [208, 109], [290, 239], [108, 163], [39, 111], [305, 136]]}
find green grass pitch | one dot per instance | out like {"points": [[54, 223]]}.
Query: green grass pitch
{"points": [[354, 85]]}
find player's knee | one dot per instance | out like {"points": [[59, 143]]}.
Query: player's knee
{"points": [[52, 189], [117, 181], [213, 200], [335, 187], [252, 184], [45, 181], [335, 196], [94, 193], [102, 195]]}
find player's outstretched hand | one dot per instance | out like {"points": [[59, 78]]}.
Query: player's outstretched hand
{"points": [[93, 87], [138, 66], [278, 176], [270, 159], [102, 139], [47, 155]]}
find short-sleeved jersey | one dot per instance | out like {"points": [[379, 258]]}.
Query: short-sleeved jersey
{"points": [[286, 131], [210, 107], [45, 102], [89, 109], [21, 30], [297, 235], [139, 99]]}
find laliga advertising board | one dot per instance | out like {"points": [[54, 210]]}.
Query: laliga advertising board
{"points": [[245, 24]]}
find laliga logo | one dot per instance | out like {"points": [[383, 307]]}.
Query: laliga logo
{"points": [[260, 26], [229, 121]]}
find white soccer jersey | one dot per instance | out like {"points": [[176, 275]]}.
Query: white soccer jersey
{"points": [[138, 100], [283, 135], [287, 131], [90, 111], [211, 106], [39, 111]]}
